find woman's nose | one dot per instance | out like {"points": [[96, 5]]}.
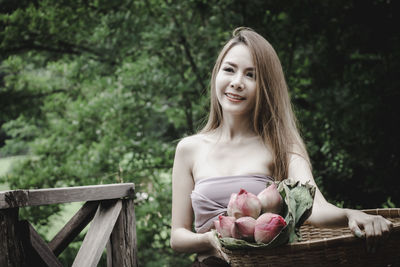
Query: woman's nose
{"points": [[237, 82]]}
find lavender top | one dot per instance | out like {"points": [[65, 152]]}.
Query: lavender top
{"points": [[210, 196]]}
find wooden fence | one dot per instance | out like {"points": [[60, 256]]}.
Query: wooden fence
{"points": [[109, 208]]}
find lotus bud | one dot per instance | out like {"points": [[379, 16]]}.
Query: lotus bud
{"points": [[232, 207], [217, 226], [267, 227], [244, 204], [224, 225], [271, 200], [243, 228]]}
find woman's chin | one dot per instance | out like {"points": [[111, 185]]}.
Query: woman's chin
{"points": [[235, 111]]}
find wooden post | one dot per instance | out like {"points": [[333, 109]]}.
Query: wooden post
{"points": [[122, 248], [11, 247]]}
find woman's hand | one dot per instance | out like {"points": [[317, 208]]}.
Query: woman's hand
{"points": [[376, 228], [212, 237]]}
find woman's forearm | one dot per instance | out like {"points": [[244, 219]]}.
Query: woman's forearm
{"points": [[183, 240], [328, 215]]}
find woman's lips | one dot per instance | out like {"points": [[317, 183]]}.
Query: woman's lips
{"points": [[234, 97]]}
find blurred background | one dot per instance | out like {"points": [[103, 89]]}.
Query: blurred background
{"points": [[97, 92]]}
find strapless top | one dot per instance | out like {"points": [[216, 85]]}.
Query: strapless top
{"points": [[210, 196]]}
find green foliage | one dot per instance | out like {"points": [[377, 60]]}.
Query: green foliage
{"points": [[100, 91], [388, 204]]}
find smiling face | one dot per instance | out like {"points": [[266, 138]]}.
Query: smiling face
{"points": [[235, 83]]}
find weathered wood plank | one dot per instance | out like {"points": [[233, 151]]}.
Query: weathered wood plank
{"points": [[99, 232], [37, 244], [35, 197], [73, 227], [122, 248], [12, 252]]}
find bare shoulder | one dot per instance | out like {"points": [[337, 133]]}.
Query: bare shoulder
{"points": [[188, 147], [189, 144], [185, 156], [299, 165], [298, 152]]}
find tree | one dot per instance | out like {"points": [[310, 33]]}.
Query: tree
{"points": [[100, 92]]}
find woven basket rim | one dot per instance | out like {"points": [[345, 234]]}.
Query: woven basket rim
{"points": [[328, 241], [390, 212]]}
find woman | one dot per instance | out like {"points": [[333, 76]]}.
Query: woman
{"points": [[250, 137]]}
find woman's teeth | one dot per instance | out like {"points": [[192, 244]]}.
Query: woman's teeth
{"points": [[234, 96]]}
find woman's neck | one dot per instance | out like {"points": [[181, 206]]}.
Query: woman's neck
{"points": [[236, 128]]}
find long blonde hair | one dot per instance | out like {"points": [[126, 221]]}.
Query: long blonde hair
{"points": [[273, 118]]}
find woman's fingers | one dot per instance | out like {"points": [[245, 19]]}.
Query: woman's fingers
{"points": [[355, 229], [370, 236], [386, 226], [378, 234], [376, 229], [217, 246]]}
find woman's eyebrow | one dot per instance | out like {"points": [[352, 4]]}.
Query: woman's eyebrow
{"points": [[235, 65]]}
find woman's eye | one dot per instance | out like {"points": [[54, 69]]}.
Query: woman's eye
{"points": [[228, 69], [250, 74]]}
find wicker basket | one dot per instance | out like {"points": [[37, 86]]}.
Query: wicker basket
{"points": [[326, 247]]}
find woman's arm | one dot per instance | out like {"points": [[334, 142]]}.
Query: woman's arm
{"points": [[325, 214], [182, 237]]}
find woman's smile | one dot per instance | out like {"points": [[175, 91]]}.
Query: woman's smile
{"points": [[234, 97]]}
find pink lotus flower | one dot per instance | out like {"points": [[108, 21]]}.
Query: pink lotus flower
{"points": [[243, 228], [271, 200], [244, 204], [268, 225], [224, 225]]}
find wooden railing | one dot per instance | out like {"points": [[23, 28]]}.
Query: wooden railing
{"points": [[109, 208]]}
